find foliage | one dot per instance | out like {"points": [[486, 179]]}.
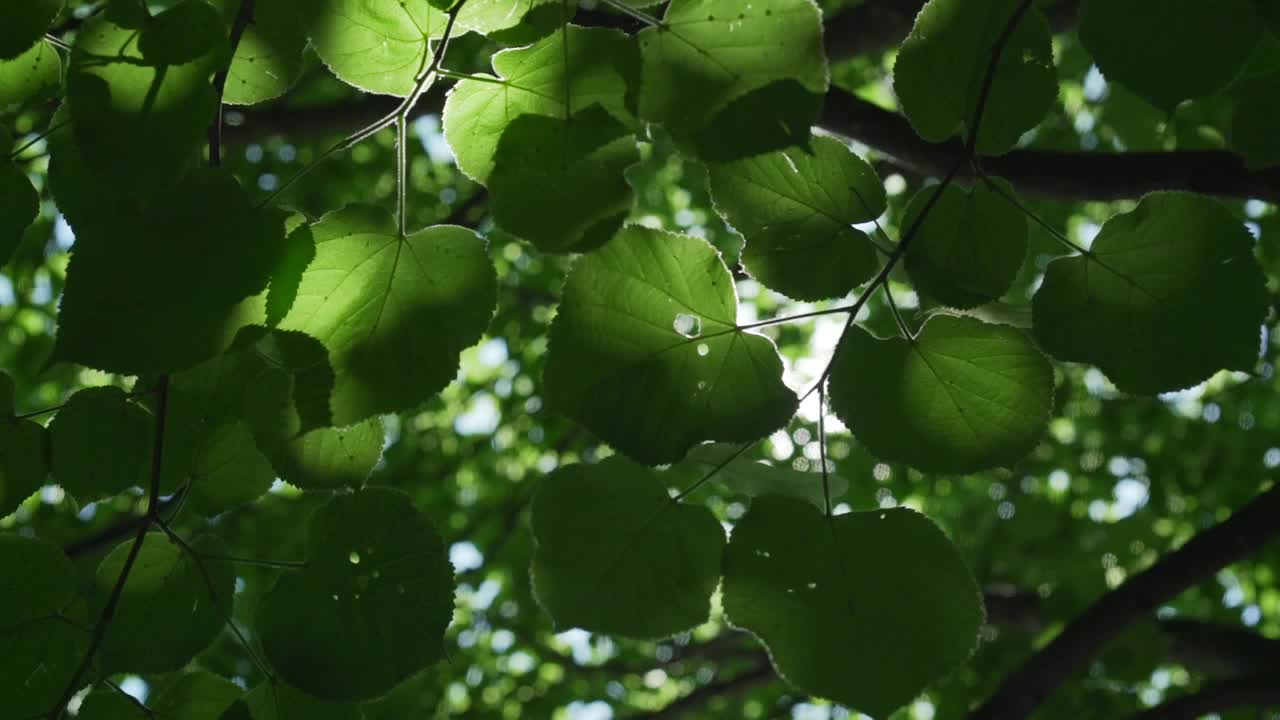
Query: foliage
{"points": [[523, 358]]}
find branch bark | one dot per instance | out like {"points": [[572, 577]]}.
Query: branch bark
{"points": [[1098, 176], [1246, 531]]}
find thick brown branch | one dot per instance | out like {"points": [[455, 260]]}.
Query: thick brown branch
{"points": [[1243, 533], [1246, 691], [1098, 176]]}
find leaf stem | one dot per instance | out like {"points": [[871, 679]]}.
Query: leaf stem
{"points": [[907, 334], [244, 16], [402, 174], [57, 42], [711, 473], [47, 132], [113, 600], [822, 451], [988, 80], [640, 15], [422, 81], [899, 251], [476, 77]]}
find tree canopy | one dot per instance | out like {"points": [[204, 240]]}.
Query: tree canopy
{"points": [[595, 359]]}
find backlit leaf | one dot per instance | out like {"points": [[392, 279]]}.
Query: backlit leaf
{"points": [[394, 312], [138, 126], [615, 554], [374, 45], [24, 451], [1188, 48], [39, 611], [559, 183], [101, 444], [646, 351], [372, 605], [1169, 294], [970, 246], [796, 210], [942, 67], [269, 57], [708, 53], [598, 67], [32, 73], [866, 608], [19, 205], [960, 396], [170, 609], [203, 249]]}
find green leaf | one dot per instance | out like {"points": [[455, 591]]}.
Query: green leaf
{"points": [[376, 46], [796, 209], [1188, 48], [284, 381], [167, 281], [372, 605], [942, 67], [299, 251], [1255, 119], [490, 16], [183, 33], [39, 611], [85, 202], [101, 444], [394, 312], [709, 53], [1168, 294], [776, 116], [755, 478], [31, 74], [24, 24], [970, 246], [229, 471], [24, 451], [599, 67], [131, 14], [330, 458], [196, 695], [282, 702], [171, 607], [646, 352], [959, 397], [19, 205], [274, 385], [268, 59], [138, 127], [616, 555], [865, 608], [204, 402], [559, 183]]}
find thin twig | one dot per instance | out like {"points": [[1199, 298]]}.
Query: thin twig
{"points": [[422, 82], [243, 18]]}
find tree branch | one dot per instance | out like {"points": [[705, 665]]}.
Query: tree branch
{"points": [[1244, 691], [1098, 176], [1243, 533]]}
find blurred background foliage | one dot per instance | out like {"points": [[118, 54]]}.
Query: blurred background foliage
{"points": [[1117, 482]]}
